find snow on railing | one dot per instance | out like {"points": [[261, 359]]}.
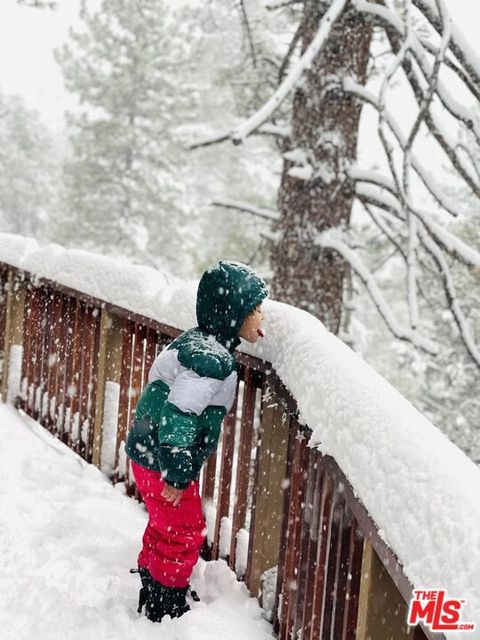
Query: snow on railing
{"points": [[369, 478]]}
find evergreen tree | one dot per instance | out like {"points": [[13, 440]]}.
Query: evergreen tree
{"points": [[124, 190], [29, 171]]}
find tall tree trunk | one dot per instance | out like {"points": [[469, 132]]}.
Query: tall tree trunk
{"points": [[325, 127]]}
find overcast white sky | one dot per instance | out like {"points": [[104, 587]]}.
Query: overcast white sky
{"points": [[28, 37]]}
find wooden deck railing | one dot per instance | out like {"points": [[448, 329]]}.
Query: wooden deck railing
{"points": [[77, 365]]}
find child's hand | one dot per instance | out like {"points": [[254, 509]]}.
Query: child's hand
{"points": [[172, 494]]}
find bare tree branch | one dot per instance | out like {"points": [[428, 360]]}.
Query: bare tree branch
{"points": [[246, 23], [424, 108], [380, 218], [405, 194], [211, 140], [470, 156]]}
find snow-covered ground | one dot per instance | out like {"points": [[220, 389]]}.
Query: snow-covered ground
{"points": [[67, 541]]}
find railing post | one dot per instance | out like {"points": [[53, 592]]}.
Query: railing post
{"points": [[270, 487], [12, 353], [382, 612], [108, 393]]}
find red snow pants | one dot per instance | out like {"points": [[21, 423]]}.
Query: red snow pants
{"points": [[174, 535]]}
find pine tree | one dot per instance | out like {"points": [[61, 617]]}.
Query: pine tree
{"points": [[123, 183], [29, 171]]}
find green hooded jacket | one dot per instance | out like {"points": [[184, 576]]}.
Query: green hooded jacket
{"points": [[192, 383]]}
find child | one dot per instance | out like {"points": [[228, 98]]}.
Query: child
{"points": [[191, 387]]}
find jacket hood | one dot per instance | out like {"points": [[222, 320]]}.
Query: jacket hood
{"points": [[226, 294]]}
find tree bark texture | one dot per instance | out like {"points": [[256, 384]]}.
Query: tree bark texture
{"points": [[325, 129]]}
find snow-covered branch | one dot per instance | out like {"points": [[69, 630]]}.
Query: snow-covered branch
{"points": [[278, 4], [460, 47], [381, 223], [385, 198], [266, 214], [328, 20], [452, 64], [39, 4], [433, 237], [437, 128], [425, 176], [267, 129], [452, 298], [456, 108], [327, 240], [291, 48], [402, 188], [383, 220], [432, 87]]}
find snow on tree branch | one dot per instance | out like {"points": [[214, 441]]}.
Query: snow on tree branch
{"points": [[327, 240], [278, 4], [439, 57], [428, 180], [451, 295], [451, 63], [462, 50], [457, 109], [385, 198], [266, 214], [38, 4], [432, 238], [384, 227], [267, 129], [331, 15], [402, 189], [426, 52]]}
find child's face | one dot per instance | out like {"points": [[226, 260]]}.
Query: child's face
{"points": [[251, 324]]}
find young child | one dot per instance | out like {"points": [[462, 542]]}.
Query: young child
{"points": [[191, 387]]}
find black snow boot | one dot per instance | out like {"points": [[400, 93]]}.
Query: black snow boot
{"points": [[146, 579], [160, 600], [193, 594], [164, 601]]}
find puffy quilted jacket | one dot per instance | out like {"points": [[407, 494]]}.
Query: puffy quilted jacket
{"points": [[192, 383]]}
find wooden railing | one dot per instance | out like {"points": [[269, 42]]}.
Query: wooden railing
{"points": [[283, 514]]}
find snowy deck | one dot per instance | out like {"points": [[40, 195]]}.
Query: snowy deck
{"points": [[419, 491], [67, 540]]}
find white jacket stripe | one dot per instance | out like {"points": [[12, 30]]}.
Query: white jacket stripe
{"points": [[189, 391], [193, 393]]}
